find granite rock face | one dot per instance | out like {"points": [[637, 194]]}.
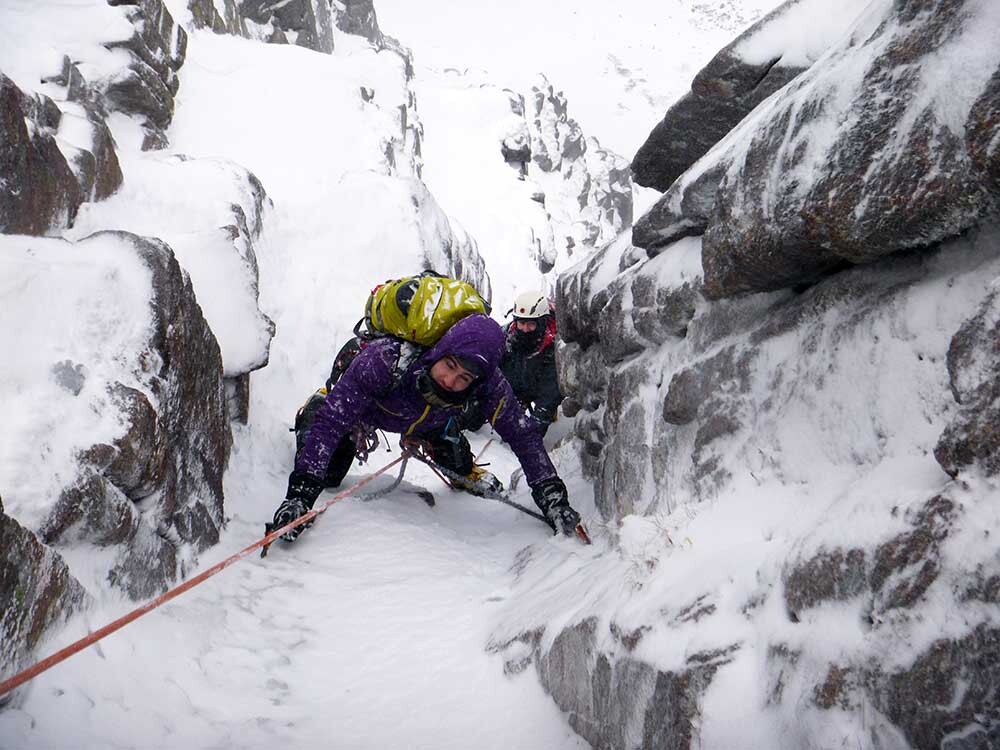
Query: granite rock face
{"points": [[306, 23], [695, 396], [722, 94], [205, 15], [40, 191], [804, 189], [37, 594], [171, 455], [973, 437], [358, 17], [592, 180], [145, 87]]}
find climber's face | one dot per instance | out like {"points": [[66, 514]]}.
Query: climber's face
{"points": [[450, 375], [526, 325]]}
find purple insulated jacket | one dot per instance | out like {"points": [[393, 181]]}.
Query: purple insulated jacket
{"points": [[366, 394]]}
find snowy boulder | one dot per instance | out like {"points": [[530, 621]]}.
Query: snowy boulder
{"points": [[588, 188], [205, 14], [973, 436], [40, 192], [37, 594], [306, 23], [749, 69], [807, 188], [146, 83], [117, 434], [625, 702], [358, 17], [210, 212]]}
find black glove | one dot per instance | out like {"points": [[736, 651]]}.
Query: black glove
{"points": [[302, 493], [542, 415], [471, 417], [550, 495]]}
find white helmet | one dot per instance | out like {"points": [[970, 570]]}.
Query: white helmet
{"points": [[530, 305]]}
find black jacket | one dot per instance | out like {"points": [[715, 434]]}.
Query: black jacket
{"points": [[529, 364]]}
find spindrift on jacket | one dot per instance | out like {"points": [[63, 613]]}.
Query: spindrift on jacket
{"points": [[371, 393], [529, 364]]}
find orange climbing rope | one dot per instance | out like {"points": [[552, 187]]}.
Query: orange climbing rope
{"points": [[36, 669]]}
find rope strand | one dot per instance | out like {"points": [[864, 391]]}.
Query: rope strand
{"points": [[36, 669]]}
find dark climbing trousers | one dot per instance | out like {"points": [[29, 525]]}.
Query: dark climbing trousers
{"points": [[343, 456]]}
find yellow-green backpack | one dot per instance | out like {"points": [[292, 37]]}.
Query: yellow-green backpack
{"points": [[420, 308]]}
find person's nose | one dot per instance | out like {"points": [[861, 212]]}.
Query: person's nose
{"points": [[451, 381]]}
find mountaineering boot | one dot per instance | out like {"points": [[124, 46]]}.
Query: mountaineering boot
{"points": [[480, 482], [550, 495]]}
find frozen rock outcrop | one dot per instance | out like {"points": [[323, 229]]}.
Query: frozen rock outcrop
{"points": [[118, 435], [587, 188], [307, 23], [752, 406], [753, 66], [804, 186], [782, 452], [972, 438], [358, 17], [215, 244], [37, 594], [40, 191]]}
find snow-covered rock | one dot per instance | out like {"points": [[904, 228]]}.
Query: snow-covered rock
{"points": [[806, 186], [37, 594], [39, 190], [802, 547], [115, 57], [221, 16], [116, 435], [307, 23], [358, 17], [973, 436], [210, 212], [588, 189], [743, 74], [789, 446]]}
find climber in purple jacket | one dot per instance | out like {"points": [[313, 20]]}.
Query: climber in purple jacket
{"points": [[396, 387]]}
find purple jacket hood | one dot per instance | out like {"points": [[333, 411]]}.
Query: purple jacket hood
{"points": [[476, 337]]}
